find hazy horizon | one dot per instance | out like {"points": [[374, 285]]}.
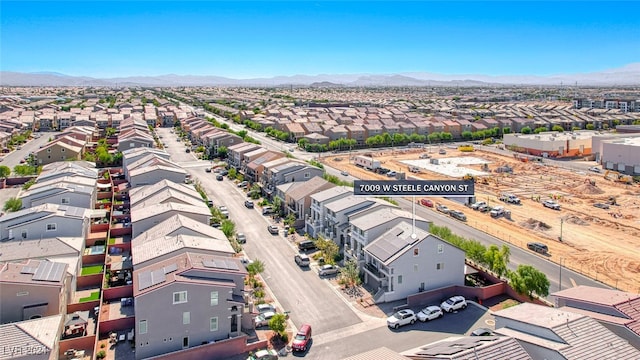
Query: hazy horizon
{"points": [[245, 40]]}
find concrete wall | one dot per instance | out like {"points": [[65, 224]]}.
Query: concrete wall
{"points": [[12, 308], [219, 350], [86, 343], [118, 292], [89, 281], [121, 324]]}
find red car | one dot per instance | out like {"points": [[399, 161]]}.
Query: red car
{"points": [[302, 338], [426, 202]]}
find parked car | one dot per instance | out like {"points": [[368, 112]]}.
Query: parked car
{"points": [[302, 339], [601, 206], [401, 318], [453, 303], [248, 204], [302, 260], [458, 215], [509, 198], [263, 319], [328, 269], [243, 184], [538, 247], [442, 208], [209, 203], [551, 204], [267, 354], [595, 169], [430, 313], [425, 156], [482, 332], [241, 238], [224, 211], [187, 150], [273, 229], [426, 202], [442, 151], [306, 245], [391, 174], [477, 204], [344, 173], [219, 177], [267, 210], [497, 211], [263, 308], [483, 208], [207, 170], [224, 172]]}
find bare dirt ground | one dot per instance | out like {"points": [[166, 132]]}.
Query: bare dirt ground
{"points": [[603, 244]]}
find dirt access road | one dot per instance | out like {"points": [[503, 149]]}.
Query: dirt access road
{"points": [[601, 243]]}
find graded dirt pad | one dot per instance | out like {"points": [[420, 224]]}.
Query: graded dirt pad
{"points": [[601, 243]]}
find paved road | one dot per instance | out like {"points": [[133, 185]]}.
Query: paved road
{"points": [[309, 298], [13, 158]]}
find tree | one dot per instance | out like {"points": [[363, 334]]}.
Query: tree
{"points": [[329, 249], [228, 228], [557, 128], [255, 268], [540, 129], [497, 259], [232, 173], [278, 323], [222, 152], [506, 130], [349, 275], [12, 204], [467, 135], [528, 280], [5, 171], [590, 126], [526, 130]]}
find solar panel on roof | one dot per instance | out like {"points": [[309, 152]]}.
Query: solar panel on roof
{"points": [[28, 270], [157, 277], [231, 265], [170, 268], [49, 271], [441, 350], [209, 263], [144, 280]]}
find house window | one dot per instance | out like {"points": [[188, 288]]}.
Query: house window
{"points": [[213, 324], [440, 248], [24, 234], [52, 227], [415, 267], [22, 293], [49, 150], [142, 326], [399, 279], [62, 149], [439, 266], [416, 251], [180, 297], [307, 175], [186, 318], [64, 201], [185, 342], [214, 298]]}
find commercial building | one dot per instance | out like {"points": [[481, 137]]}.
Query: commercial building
{"points": [[552, 143]]}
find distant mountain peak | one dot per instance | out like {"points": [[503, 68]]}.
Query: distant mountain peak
{"points": [[623, 76]]}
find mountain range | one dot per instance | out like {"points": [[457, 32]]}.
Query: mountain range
{"points": [[628, 75]]}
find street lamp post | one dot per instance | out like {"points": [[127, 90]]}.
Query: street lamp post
{"points": [[561, 222], [560, 277]]}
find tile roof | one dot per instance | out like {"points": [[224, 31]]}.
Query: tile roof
{"points": [[471, 348], [572, 335], [40, 248], [36, 335]]}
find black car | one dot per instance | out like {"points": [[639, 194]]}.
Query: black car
{"points": [[248, 204], [306, 245], [219, 177], [538, 247], [207, 170]]}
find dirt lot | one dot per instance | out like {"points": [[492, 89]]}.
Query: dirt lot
{"points": [[604, 244]]}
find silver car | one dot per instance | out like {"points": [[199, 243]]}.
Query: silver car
{"points": [[263, 319], [326, 270]]}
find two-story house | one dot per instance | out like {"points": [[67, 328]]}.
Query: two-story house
{"points": [[316, 221], [297, 198], [46, 220], [407, 259], [200, 297]]}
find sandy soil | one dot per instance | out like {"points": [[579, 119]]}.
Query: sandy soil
{"points": [[603, 244]]}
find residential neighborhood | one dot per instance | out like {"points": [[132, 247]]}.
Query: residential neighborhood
{"points": [[124, 240]]}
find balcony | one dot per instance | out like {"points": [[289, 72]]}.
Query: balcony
{"points": [[374, 271]]}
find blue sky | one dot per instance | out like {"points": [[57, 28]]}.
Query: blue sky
{"points": [[243, 39]]}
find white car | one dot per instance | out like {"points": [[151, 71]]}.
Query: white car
{"points": [[267, 354], [551, 204], [263, 319], [327, 269], [453, 303], [430, 313], [595, 169], [401, 318], [263, 308]]}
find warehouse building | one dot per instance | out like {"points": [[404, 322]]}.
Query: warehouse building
{"points": [[551, 143], [618, 152]]}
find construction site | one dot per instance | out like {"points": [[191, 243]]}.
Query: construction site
{"points": [[596, 230]]}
